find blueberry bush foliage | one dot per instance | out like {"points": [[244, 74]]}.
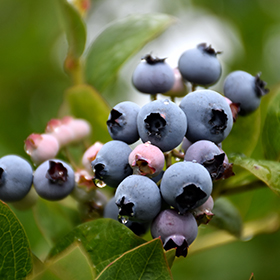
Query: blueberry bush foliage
{"points": [[48, 71]]}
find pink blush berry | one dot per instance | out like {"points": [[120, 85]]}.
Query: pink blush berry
{"points": [[146, 159], [60, 131], [41, 147]]}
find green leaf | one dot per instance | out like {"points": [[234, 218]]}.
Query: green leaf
{"points": [[15, 254], [226, 217], [271, 132], [74, 27], [244, 135], [71, 264], [144, 262], [118, 42], [86, 103], [266, 170], [170, 256], [54, 219], [103, 239]]}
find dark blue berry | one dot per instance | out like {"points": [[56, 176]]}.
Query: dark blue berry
{"points": [[162, 123], [209, 116], [186, 185], [200, 65], [122, 122], [111, 163], [153, 75], [16, 176], [54, 179], [244, 89]]}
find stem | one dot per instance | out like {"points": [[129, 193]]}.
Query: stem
{"points": [[168, 159], [153, 97], [178, 154], [238, 189]]}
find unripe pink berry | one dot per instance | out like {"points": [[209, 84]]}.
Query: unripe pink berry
{"points": [[146, 159], [90, 155], [41, 147], [60, 131], [80, 127]]}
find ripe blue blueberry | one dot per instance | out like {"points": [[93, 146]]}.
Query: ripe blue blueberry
{"points": [[16, 176], [186, 185], [246, 90], [122, 122], [200, 65], [175, 230], [111, 163], [54, 179], [209, 116], [153, 75], [138, 198], [162, 123]]}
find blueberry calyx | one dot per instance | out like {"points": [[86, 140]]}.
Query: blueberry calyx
{"points": [[154, 124], [208, 49], [218, 121], [114, 119], [179, 242], [215, 166], [143, 166], [57, 173], [153, 60], [125, 208], [99, 171], [260, 86], [188, 198]]}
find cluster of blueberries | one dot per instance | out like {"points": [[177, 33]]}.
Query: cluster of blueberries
{"points": [[163, 158]]}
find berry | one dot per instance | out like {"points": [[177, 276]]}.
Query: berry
{"points": [[209, 155], [111, 163], [60, 131], [138, 198], [244, 89], [186, 185], [162, 123], [16, 177], [203, 214], [41, 147], [176, 231], [153, 76], [200, 65], [122, 122], [146, 159], [54, 179], [209, 116]]}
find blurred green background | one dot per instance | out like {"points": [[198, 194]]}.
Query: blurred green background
{"points": [[32, 85]]}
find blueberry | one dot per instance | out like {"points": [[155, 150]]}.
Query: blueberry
{"points": [[153, 75], [16, 176], [243, 88], [162, 123], [209, 155], [203, 214], [146, 159], [138, 198], [111, 211], [122, 122], [200, 65], [54, 179], [176, 231], [209, 116], [111, 163], [186, 185]]}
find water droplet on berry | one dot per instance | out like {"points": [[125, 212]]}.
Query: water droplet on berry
{"points": [[100, 184]]}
